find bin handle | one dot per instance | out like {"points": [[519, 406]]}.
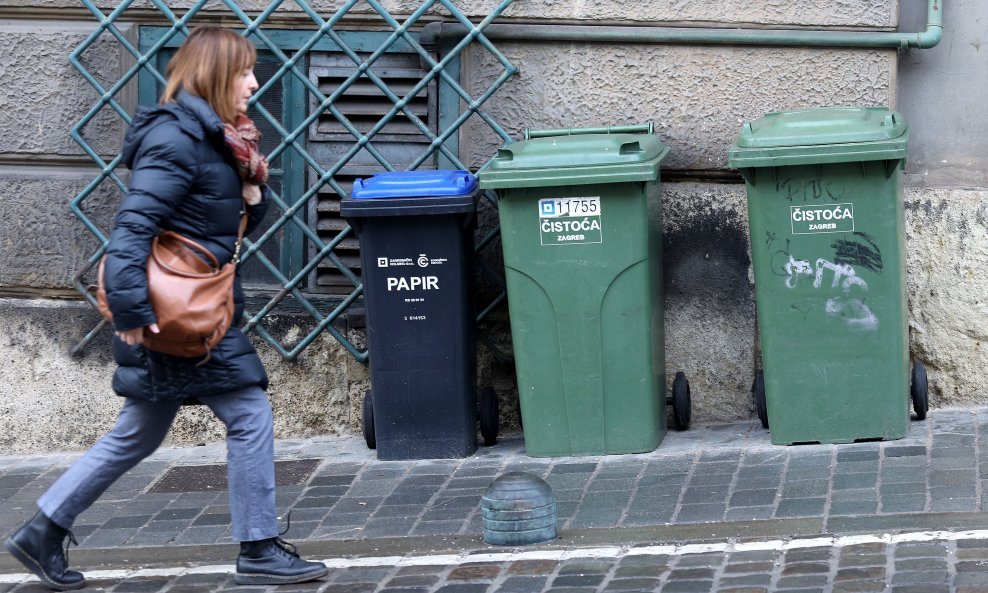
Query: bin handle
{"points": [[646, 128]]}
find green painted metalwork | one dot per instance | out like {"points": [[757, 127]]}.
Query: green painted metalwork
{"points": [[292, 127]]}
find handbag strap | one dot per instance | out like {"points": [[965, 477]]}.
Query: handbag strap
{"points": [[240, 235]]}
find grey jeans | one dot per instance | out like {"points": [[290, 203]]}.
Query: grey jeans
{"points": [[140, 429]]}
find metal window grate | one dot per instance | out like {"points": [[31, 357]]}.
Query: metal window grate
{"points": [[363, 98]]}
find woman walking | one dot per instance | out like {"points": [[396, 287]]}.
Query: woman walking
{"points": [[195, 167]]}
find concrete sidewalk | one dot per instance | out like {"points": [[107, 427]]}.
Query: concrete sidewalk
{"points": [[715, 483]]}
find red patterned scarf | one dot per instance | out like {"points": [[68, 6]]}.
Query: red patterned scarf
{"points": [[243, 138]]}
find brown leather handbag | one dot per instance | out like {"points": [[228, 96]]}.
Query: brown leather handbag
{"points": [[191, 295]]}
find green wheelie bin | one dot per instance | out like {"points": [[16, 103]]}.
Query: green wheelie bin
{"points": [[825, 213], [581, 225]]}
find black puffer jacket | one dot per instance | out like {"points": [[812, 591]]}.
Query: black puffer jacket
{"points": [[184, 179]]}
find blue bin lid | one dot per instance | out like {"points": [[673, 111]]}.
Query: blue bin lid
{"points": [[414, 184]]}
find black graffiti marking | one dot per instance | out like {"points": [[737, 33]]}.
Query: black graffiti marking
{"points": [[805, 190], [864, 253], [804, 310], [779, 258]]}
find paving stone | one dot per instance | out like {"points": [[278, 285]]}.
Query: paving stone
{"points": [[437, 527], [577, 580], [900, 488], [863, 559], [803, 568], [521, 585], [684, 574], [903, 577], [417, 580], [860, 573], [954, 477], [747, 580], [478, 572], [854, 495], [711, 481], [920, 564], [802, 581], [854, 508], [351, 588], [591, 517], [462, 588], [857, 467], [749, 498], [532, 567], [901, 451], [938, 503], [920, 549], [749, 513], [905, 474], [801, 507], [586, 566], [131, 521], [858, 586], [860, 455], [687, 587], [851, 481], [758, 483], [362, 575], [808, 555], [694, 513]]}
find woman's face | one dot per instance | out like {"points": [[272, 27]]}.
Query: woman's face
{"points": [[244, 86]]}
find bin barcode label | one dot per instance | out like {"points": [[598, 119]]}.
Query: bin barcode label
{"points": [[570, 221], [822, 218]]}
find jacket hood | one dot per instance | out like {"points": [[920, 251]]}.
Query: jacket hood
{"points": [[193, 114]]}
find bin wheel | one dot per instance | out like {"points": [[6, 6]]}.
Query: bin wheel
{"points": [[919, 390], [489, 416], [758, 392], [681, 404], [368, 420]]}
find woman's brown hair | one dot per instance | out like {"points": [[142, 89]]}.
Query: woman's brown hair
{"points": [[207, 65]]}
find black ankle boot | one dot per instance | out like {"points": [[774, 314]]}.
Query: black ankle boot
{"points": [[38, 546], [274, 562]]}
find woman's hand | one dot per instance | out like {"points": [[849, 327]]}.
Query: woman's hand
{"points": [[135, 336], [252, 193]]}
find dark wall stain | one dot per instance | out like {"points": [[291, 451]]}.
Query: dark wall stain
{"points": [[706, 258]]}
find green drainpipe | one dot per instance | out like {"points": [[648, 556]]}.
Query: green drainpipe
{"points": [[432, 32]]}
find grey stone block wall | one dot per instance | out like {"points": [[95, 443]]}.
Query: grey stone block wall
{"points": [[42, 245], [697, 97], [51, 96], [54, 402]]}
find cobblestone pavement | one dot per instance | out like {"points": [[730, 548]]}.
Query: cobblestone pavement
{"points": [[722, 485], [921, 565]]}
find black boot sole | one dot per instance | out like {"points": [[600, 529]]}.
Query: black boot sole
{"points": [[35, 567], [260, 578]]}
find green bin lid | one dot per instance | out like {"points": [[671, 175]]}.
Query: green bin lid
{"points": [[575, 160], [819, 136]]}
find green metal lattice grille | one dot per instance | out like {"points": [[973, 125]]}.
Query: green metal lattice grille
{"points": [[436, 144]]}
